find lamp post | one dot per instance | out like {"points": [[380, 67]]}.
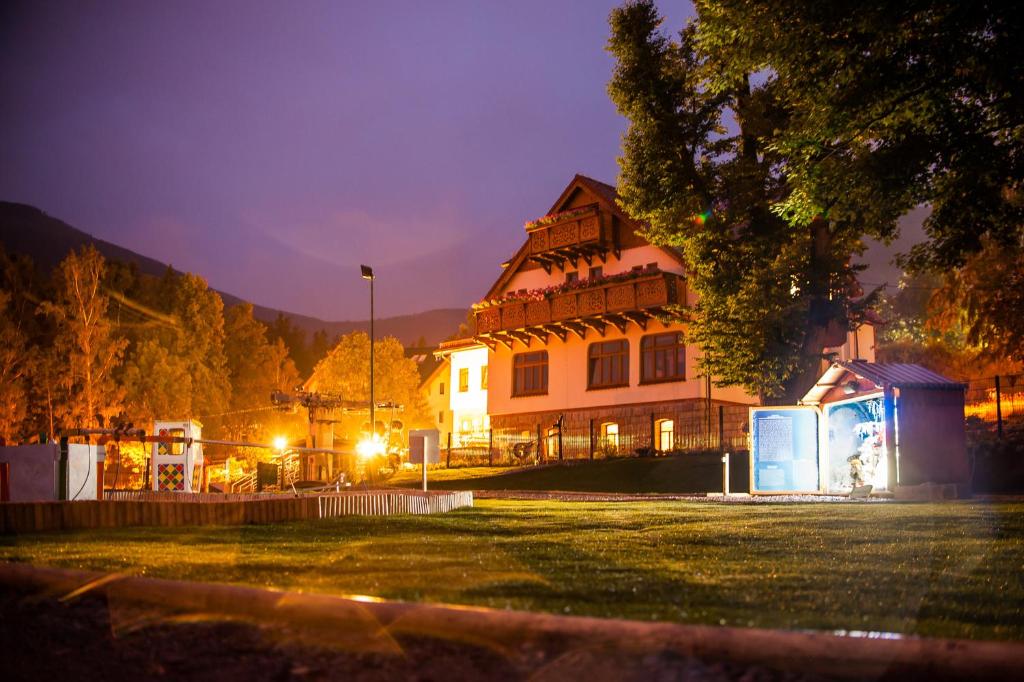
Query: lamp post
{"points": [[367, 274]]}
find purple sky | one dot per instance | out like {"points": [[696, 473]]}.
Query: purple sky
{"points": [[272, 147]]}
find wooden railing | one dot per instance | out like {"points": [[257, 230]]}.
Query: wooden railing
{"points": [[148, 508], [639, 294], [586, 226]]}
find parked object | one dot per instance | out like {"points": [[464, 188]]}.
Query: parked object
{"points": [[863, 424]]}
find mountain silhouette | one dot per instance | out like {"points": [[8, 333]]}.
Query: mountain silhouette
{"points": [[47, 240]]}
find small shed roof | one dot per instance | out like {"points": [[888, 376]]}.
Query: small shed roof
{"points": [[882, 374]]}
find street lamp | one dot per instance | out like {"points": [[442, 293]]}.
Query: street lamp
{"points": [[367, 274]]}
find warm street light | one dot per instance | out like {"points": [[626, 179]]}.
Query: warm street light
{"points": [[367, 274], [280, 443]]}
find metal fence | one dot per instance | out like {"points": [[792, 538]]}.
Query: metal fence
{"points": [[699, 431], [995, 399]]}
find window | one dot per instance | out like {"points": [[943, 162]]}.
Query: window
{"points": [[463, 379], [610, 436], [441, 389], [666, 434], [571, 277], [440, 417], [608, 364], [172, 448], [662, 358], [483, 378], [596, 273], [530, 373]]}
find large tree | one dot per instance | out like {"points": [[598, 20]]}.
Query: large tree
{"points": [[346, 371], [257, 367], [86, 348], [701, 167], [199, 340], [889, 105], [16, 364]]}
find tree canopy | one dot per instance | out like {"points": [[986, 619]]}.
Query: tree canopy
{"points": [[346, 371], [701, 168], [769, 138], [889, 105]]}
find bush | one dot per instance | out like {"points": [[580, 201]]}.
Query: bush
{"points": [[998, 463]]}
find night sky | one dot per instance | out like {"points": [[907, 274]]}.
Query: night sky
{"points": [[272, 147]]}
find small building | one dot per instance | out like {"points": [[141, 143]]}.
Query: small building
{"points": [[43, 473], [178, 466], [466, 361], [863, 423], [436, 386]]}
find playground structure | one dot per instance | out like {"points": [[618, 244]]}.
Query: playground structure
{"points": [[178, 466]]}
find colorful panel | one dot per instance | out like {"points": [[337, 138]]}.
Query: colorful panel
{"points": [[171, 476]]}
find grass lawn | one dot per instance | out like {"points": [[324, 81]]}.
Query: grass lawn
{"points": [[678, 474], [954, 569]]}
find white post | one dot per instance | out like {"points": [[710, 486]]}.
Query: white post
{"points": [[424, 467], [725, 474]]}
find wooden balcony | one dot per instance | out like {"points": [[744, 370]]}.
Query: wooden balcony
{"points": [[585, 233], [592, 308]]}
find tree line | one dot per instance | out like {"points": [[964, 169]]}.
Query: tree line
{"points": [[98, 344]]}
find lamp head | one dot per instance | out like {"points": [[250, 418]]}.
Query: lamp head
{"points": [[367, 271]]}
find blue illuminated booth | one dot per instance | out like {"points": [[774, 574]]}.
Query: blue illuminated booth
{"points": [[862, 424]]}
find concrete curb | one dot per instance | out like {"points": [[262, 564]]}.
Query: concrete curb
{"points": [[372, 625]]}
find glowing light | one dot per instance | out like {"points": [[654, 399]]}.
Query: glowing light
{"points": [[370, 447], [280, 443], [702, 217]]}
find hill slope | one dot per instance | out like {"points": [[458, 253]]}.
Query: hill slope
{"points": [[27, 230]]}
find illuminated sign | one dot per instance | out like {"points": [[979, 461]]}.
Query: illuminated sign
{"points": [[784, 449]]}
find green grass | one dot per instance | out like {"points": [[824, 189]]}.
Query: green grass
{"points": [[954, 569], [677, 474]]}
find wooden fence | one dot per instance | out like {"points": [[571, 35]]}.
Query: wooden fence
{"points": [[180, 510]]}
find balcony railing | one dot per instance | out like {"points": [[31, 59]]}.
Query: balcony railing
{"points": [[618, 303], [585, 233]]}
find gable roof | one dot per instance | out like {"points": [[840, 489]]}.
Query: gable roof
{"points": [[881, 374], [607, 197]]}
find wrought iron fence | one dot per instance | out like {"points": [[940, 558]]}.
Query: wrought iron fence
{"points": [[724, 428]]}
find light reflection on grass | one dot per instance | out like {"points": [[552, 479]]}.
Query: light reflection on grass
{"points": [[954, 569]]}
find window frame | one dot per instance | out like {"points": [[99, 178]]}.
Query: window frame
{"points": [[607, 361], [649, 348], [463, 379], [532, 365], [661, 432]]}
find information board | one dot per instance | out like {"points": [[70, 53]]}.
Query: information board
{"points": [[784, 449]]}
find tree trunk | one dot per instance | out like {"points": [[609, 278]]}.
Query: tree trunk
{"points": [[821, 314]]}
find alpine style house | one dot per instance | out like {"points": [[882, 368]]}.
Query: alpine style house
{"points": [[583, 351]]}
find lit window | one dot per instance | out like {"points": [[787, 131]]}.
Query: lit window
{"points": [[483, 378], [463, 379], [530, 373], [610, 435], [608, 364], [662, 358], [666, 434]]}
